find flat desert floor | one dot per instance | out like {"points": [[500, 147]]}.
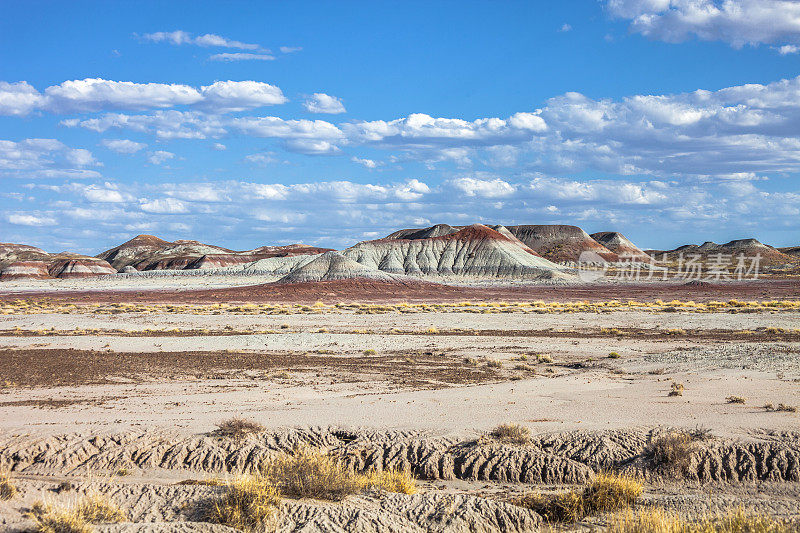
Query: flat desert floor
{"points": [[123, 399]]}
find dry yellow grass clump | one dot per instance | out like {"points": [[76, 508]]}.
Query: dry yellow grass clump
{"points": [[251, 502], [309, 473], [77, 518], [607, 492], [511, 433], [657, 520], [7, 488], [248, 504]]}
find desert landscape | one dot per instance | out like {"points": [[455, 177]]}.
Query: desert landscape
{"points": [[439, 379], [421, 266]]}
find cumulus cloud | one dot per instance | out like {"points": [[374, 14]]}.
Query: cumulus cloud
{"points": [[225, 211], [261, 160], [97, 94], [324, 103], [225, 96], [495, 188], [736, 22], [180, 37], [169, 206], [745, 128], [123, 146], [22, 219], [230, 57], [103, 194], [369, 163], [18, 99], [311, 147], [159, 157], [44, 158]]}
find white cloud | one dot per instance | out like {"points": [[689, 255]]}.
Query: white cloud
{"points": [[159, 157], [30, 220], [565, 28], [788, 49], [369, 163], [169, 206], [736, 22], [311, 147], [290, 49], [106, 194], [97, 94], [324, 103], [18, 98], [219, 147], [225, 96], [123, 146], [180, 37], [261, 160], [43, 158], [495, 188], [411, 190], [229, 57]]}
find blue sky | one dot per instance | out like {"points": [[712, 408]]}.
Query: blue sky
{"points": [[252, 123]]}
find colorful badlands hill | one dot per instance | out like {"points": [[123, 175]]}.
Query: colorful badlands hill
{"points": [[146, 252], [19, 261], [534, 253]]}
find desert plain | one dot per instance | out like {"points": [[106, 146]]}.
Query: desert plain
{"points": [[123, 397]]}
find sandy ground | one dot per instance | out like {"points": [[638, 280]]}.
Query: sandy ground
{"points": [[444, 375]]}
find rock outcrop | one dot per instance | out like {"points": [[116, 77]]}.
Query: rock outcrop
{"points": [[737, 248], [20, 261], [475, 251], [332, 266], [560, 243], [146, 252], [620, 245]]}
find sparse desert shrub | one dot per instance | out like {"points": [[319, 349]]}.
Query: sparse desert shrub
{"points": [[76, 518], [471, 361], [237, 428], [676, 331], [511, 433], [285, 326], [606, 492], [310, 473], [782, 407], [657, 520], [676, 389], [735, 399], [560, 507], [494, 363], [248, 504], [544, 358], [7, 488], [370, 351], [121, 472], [672, 453], [400, 481], [609, 492], [614, 355], [432, 330]]}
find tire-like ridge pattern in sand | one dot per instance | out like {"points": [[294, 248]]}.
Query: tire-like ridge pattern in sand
{"points": [[149, 506], [560, 458]]}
